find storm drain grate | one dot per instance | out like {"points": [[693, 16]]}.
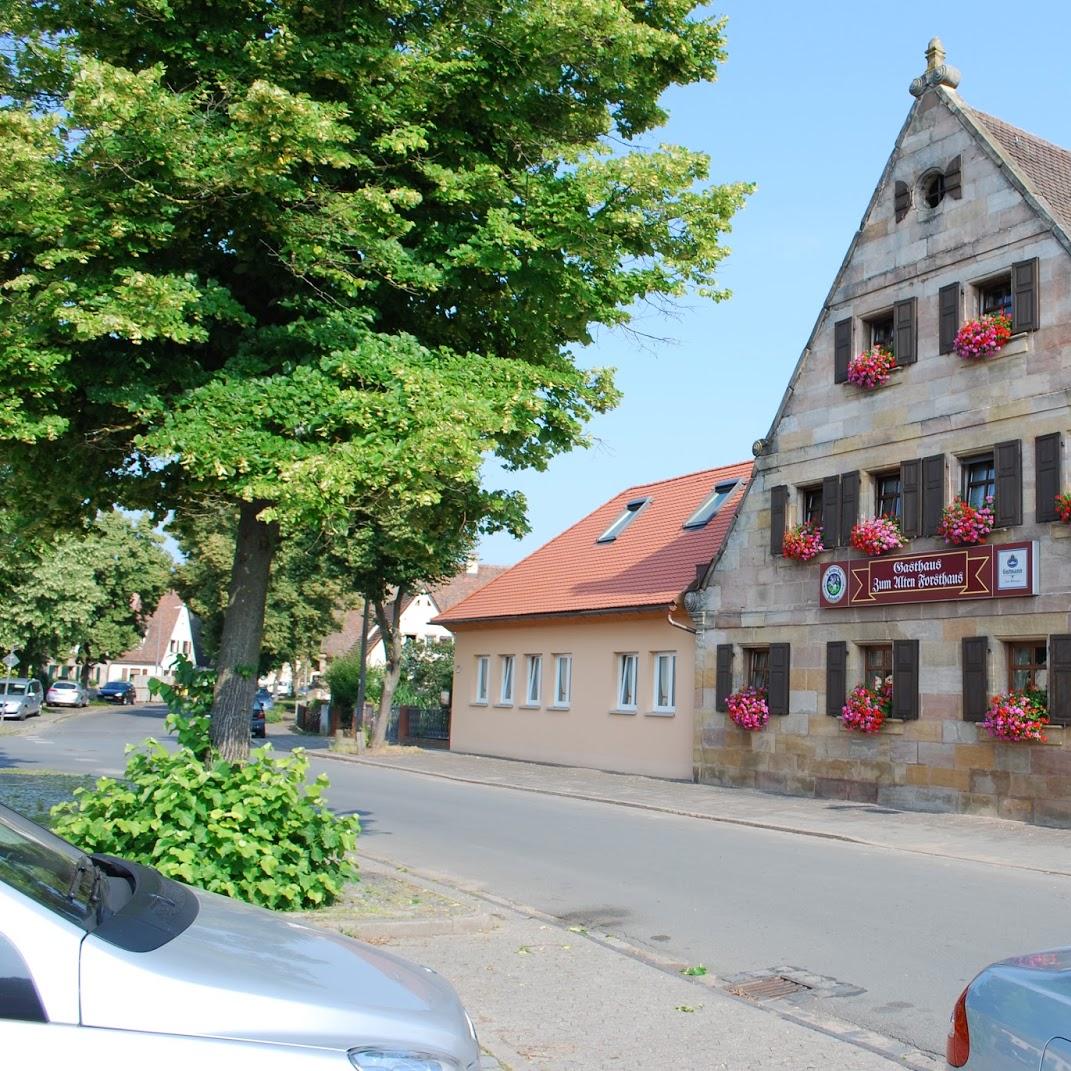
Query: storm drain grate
{"points": [[769, 988]]}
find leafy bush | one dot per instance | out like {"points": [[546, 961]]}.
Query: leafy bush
{"points": [[255, 831]]}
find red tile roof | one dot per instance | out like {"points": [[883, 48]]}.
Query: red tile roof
{"points": [[649, 564]]}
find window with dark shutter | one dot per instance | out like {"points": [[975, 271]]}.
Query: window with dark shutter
{"points": [[830, 511], [1024, 283], [975, 677], [911, 498], [1008, 460], [905, 679], [901, 199], [842, 350], [1060, 679], [777, 695], [954, 180], [933, 493], [836, 677], [849, 506], [1046, 476], [723, 684], [948, 306], [906, 332], [778, 501]]}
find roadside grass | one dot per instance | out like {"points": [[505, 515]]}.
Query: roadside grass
{"points": [[35, 792]]}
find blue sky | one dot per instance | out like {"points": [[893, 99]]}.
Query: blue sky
{"points": [[808, 106]]}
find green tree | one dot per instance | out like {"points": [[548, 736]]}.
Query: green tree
{"points": [[319, 260], [427, 672], [306, 595], [88, 595]]}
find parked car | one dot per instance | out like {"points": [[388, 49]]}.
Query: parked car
{"points": [[1016, 1014], [67, 694], [103, 956], [258, 723], [20, 697], [263, 699], [118, 692]]}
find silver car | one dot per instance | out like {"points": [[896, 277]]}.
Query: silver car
{"points": [[1015, 1015], [20, 697], [66, 694], [97, 942]]}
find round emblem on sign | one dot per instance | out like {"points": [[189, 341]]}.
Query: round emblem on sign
{"points": [[834, 583]]}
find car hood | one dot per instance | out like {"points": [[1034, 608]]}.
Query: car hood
{"points": [[243, 972]]}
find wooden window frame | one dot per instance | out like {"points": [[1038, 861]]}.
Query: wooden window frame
{"points": [[807, 497], [879, 477], [987, 286], [758, 667], [870, 677], [887, 317], [1010, 647], [966, 464]]}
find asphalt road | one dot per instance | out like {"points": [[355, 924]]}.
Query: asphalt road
{"points": [[906, 932]]}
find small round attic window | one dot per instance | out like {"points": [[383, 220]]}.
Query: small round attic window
{"points": [[933, 188]]}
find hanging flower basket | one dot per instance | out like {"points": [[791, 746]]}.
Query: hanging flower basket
{"points": [[877, 535], [748, 708], [867, 708], [1017, 716], [802, 542], [978, 339], [871, 368], [1063, 507], [961, 523]]}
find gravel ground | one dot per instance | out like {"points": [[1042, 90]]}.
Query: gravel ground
{"points": [[34, 793]]}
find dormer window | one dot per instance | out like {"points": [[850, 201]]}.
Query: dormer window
{"points": [[623, 521], [933, 188], [711, 505]]}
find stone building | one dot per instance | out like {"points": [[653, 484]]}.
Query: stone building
{"points": [[971, 216]]}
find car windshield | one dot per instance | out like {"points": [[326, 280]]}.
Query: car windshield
{"points": [[62, 685], [45, 868], [13, 688]]}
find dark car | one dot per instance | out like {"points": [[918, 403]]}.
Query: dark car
{"points": [[118, 692], [258, 722]]}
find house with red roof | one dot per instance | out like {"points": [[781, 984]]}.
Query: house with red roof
{"points": [[582, 653]]}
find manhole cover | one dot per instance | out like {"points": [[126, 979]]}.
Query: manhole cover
{"points": [[769, 988]]}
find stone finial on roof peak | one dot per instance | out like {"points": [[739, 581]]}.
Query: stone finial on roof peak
{"points": [[937, 73]]}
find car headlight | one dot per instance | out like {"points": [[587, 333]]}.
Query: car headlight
{"points": [[400, 1060]]}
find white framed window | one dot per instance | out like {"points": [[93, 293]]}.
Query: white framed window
{"points": [[627, 668], [533, 665], [483, 673], [665, 681], [563, 680], [505, 695]]}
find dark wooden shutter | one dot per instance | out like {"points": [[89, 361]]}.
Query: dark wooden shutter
{"points": [[1060, 679], [842, 350], [830, 511], [905, 332], [836, 677], [954, 180], [901, 199], [947, 315], [777, 693], [911, 498], [849, 506], [933, 492], [905, 678], [778, 501], [723, 683], [1008, 463], [1025, 295], [975, 677], [1046, 476]]}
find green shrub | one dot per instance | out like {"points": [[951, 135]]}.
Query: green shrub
{"points": [[255, 831]]}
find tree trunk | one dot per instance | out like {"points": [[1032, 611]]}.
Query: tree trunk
{"points": [[83, 672], [392, 671], [243, 627]]}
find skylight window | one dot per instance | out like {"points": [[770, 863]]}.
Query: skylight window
{"points": [[623, 521], [710, 505]]}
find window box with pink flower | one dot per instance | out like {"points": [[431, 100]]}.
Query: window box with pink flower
{"points": [[871, 368], [1018, 716], [981, 338], [867, 708], [748, 708], [877, 535], [962, 523], [802, 542]]}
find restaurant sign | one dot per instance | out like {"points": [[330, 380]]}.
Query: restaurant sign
{"points": [[976, 572]]}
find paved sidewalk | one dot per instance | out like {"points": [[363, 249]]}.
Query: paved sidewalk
{"points": [[545, 997], [986, 840]]}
